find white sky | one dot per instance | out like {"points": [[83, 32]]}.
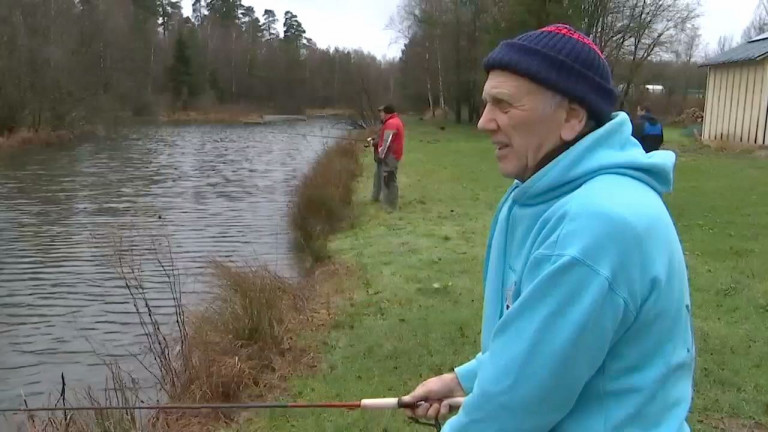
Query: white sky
{"points": [[337, 23], [362, 23]]}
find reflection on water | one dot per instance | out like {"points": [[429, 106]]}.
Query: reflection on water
{"points": [[215, 191]]}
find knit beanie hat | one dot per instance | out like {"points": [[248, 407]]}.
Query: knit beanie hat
{"points": [[564, 61]]}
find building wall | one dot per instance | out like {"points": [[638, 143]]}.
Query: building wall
{"points": [[736, 108]]}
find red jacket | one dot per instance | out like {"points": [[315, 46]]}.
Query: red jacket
{"points": [[393, 122]]}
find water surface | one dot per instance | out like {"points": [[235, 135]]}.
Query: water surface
{"points": [[213, 191]]}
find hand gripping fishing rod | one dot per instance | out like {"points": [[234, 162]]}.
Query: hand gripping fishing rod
{"points": [[365, 404]]}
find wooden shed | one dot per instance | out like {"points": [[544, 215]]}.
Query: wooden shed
{"points": [[736, 104]]}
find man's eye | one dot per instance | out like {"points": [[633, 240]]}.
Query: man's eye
{"points": [[503, 106]]}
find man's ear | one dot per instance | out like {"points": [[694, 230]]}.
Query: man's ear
{"points": [[575, 120]]}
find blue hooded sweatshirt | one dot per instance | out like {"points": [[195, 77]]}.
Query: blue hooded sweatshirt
{"points": [[586, 314]]}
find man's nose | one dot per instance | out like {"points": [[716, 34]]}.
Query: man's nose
{"points": [[486, 122]]}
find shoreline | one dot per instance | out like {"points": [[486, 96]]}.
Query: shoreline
{"points": [[224, 115], [237, 116]]}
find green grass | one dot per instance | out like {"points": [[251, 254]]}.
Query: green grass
{"points": [[418, 312]]}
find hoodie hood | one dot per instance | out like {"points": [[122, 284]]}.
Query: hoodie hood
{"points": [[611, 149], [650, 119]]}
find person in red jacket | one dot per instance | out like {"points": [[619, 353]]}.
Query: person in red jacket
{"points": [[387, 153]]}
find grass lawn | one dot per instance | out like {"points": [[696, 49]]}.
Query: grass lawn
{"points": [[418, 312]]}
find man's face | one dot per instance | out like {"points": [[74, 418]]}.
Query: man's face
{"points": [[525, 122], [382, 116], [640, 111]]}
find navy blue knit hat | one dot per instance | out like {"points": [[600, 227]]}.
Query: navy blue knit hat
{"points": [[564, 61]]}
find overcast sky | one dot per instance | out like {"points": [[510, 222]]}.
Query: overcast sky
{"points": [[362, 23]]}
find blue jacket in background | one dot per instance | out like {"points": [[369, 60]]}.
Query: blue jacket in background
{"points": [[649, 132], [586, 315]]}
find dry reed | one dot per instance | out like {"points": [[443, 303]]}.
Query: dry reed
{"points": [[218, 115], [323, 201], [119, 390], [25, 138]]}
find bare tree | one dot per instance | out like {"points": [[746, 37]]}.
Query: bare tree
{"points": [[724, 43], [759, 23], [684, 52], [650, 29], [416, 21], [692, 44]]}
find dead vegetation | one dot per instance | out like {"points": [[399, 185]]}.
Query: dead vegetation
{"points": [[330, 112], [220, 115], [733, 147], [323, 202], [120, 389], [691, 116], [26, 138]]}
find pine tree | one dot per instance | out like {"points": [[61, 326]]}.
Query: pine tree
{"points": [[269, 25], [227, 11], [181, 75], [293, 30], [197, 11]]}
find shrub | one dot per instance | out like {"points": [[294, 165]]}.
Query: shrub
{"points": [[323, 202]]}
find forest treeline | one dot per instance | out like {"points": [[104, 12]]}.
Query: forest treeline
{"points": [[68, 64]]}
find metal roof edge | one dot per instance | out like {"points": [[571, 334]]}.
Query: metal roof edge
{"points": [[735, 61], [719, 63], [748, 51]]}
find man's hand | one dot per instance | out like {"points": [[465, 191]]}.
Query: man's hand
{"points": [[433, 393]]}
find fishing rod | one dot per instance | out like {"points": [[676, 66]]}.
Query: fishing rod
{"points": [[315, 136], [365, 404], [368, 404]]}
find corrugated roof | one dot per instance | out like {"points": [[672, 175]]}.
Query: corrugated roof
{"points": [[754, 50], [759, 37]]}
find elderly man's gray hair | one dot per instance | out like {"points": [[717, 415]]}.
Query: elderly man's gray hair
{"points": [[553, 100]]}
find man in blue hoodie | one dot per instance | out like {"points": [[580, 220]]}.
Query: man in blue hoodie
{"points": [[586, 313]]}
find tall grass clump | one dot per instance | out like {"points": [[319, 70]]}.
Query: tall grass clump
{"points": [[24, 138], [223, 352], [251, 306], [220, 351], [238, 336], [322, 205]]}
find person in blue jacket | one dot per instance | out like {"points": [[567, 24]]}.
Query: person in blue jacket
{"points": [[648, 130], [586, 321]]}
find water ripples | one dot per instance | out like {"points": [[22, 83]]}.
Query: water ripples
{"points": [[214, 191]]}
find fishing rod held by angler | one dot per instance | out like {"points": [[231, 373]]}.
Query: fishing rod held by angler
{"points": [[367, 404]]}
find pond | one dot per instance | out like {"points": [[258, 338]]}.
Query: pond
{"points": [[211, 191]]}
